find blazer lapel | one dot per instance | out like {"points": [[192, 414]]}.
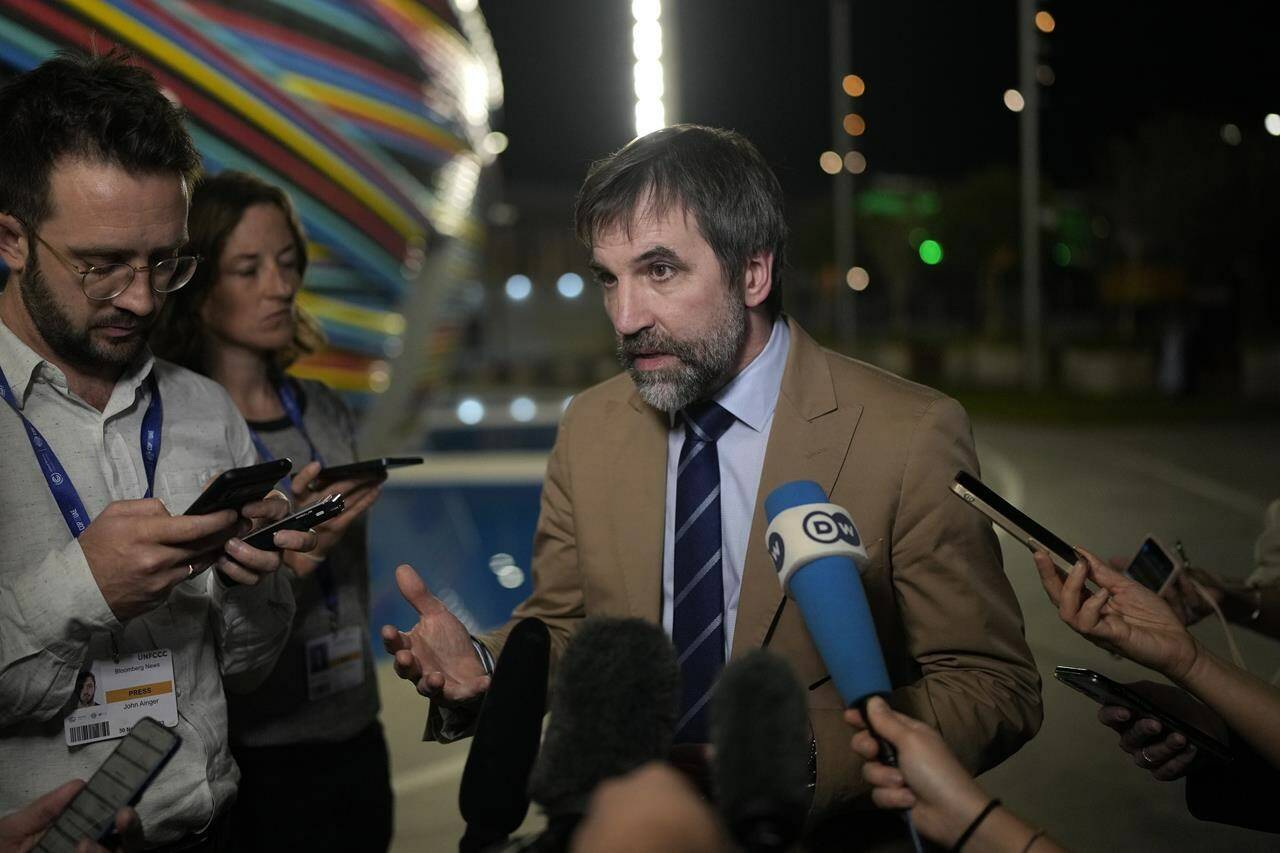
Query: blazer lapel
{"points": [[638, 497], [809, 440]]}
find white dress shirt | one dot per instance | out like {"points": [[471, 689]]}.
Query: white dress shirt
{"points": [[53, 618], [751, 398]]}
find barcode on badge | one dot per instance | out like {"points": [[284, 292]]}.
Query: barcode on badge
{"points": [[89, 732]]}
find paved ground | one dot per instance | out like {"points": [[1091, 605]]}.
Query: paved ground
{"points": [[1102, 488]]}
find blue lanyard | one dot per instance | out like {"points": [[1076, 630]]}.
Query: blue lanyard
{"points": [[59, 482], [293, 411]]}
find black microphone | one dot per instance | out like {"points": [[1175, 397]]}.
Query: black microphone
{"points": [[493, 796], [760, 734], [614, 707]]}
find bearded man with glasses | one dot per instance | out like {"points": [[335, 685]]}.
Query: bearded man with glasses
{"points": [[100, 445]]}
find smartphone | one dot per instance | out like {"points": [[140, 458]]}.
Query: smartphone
{"points": [[1022, 527], [1153, 566], [303, 519], [119, 782], [369, 469], [239, 486], [1104, 691]]}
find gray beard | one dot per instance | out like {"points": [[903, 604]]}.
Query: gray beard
{"points": [[73, 345], [702, 366]]}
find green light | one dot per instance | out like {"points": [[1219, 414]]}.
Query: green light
{"points": [[1062, 254], [931, 252]]}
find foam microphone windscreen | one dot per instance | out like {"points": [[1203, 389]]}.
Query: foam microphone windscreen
{"points": [[760, 740], [493, 797], [614, 706]]}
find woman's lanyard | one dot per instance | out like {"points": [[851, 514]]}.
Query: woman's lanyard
{"points": [[56, 477], [293, 411]]}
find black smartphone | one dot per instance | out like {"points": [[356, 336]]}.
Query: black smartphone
{"points": [[239, 486], [1153, 566], [1104, 691], [119, 782], [303, 519], [369, 469], [1021, 526]]}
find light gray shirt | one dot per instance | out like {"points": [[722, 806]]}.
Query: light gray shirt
{"points": [[53, 618], [751, 398]]}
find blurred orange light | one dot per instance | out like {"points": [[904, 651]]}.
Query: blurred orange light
{"points": [[857, 278], [854, 124], [1045, 22], [830, 162], [854, 86]]}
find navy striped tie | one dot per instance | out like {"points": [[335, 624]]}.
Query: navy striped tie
{"points": [[697, 624]]}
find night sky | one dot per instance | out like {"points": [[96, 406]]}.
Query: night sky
{"points": [[935, 73]]}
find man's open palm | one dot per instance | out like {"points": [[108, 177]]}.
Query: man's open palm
{"points": [[436, 654]]}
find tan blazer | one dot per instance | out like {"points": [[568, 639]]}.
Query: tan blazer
{"points": [[884, 448]]}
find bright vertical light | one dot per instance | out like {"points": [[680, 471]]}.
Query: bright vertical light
{"points": [[1272, 123], [646, 45]]}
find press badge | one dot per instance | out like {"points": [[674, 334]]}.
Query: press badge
{"points": [[113, 695], [335, 662]]}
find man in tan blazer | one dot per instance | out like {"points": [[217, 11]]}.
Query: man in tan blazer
{"points": [[686, 233]]}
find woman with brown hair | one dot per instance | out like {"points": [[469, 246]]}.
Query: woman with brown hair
{"points": [[308, 741]]}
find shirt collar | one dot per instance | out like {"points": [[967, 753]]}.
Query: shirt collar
{"points": [[21, 364], [752, 395]]}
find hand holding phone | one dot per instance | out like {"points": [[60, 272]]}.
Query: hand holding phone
{"points": [[1106, 692], [359, 495], [1122, 616], [120, 781], [138, 552], [303, 519]]}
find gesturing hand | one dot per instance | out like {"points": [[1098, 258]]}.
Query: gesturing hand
{"points": [[436, 654], [1123, 616]]}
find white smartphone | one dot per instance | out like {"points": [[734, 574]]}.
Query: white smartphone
{"points": [[1154, 566]]}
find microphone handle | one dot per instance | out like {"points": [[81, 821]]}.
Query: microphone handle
{"points": [[889, 757]]}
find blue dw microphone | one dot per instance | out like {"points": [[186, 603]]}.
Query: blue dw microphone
{"points": [[816, 549]]}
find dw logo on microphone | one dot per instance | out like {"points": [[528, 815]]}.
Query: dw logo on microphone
{"points": [[777, 550], [827, 527]]}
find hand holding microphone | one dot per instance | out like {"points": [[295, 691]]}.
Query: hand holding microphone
{"points": [[928, 779], [816, 549]]}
